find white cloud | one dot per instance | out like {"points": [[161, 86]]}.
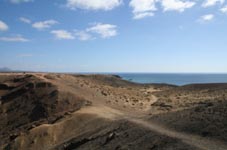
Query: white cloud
{"points": [[206, 18], [209, 3], [3, 26], [25, 20], [176, 5], [146, 8], [83, 35], [224, 9], [104, 30], [93, 4], [63, 34], [91, 33], [143, 15], [142, 8], [20, 1], [44, 24], [17, 38]]}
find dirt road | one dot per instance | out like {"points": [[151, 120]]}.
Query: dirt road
{"points": [[192, 140]]}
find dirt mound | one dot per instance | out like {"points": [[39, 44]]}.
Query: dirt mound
{"points": [[207, 120], [198, 109], [189, 96], [30, 103], [111, 80], [200, 87], [123, 135], [87, 130]]}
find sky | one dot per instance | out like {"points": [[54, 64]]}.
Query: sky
{"points": [[163, 36]]}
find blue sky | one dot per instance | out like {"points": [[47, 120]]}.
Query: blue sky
{"points": [[114, 35]]}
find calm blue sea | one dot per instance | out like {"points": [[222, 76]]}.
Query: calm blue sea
{"points": [[176, 79]]}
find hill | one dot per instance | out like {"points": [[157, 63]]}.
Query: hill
{"points": [[77, 112]]}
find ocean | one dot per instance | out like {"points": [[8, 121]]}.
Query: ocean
{"points": [[174, 78]]}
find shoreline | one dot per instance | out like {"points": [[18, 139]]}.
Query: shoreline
{"points": [[122, 78]]}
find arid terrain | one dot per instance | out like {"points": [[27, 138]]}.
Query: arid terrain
{"points": [[41, 111]]}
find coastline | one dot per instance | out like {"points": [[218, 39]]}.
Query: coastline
{"points": [[107, 108]]}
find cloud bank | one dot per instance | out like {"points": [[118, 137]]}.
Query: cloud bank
{"points": [[209, 3], [93, 4], [44, 24], [142, 9], [104, 30], [20, 1], [63, 34], [3, 26], [25, 20], [17, 38], [206, 18], [176, 5]]}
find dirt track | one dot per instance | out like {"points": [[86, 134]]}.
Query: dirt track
{"points": [[193, 140], [102, 102]]}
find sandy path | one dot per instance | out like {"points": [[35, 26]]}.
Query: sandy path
{"points": [[110, 113], [189, 139], [193, 140]]}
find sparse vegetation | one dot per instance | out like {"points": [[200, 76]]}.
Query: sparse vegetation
{"points": [[87, 109]]}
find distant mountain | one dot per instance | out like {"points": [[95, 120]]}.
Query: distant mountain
{"points": [[5, 69]]}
